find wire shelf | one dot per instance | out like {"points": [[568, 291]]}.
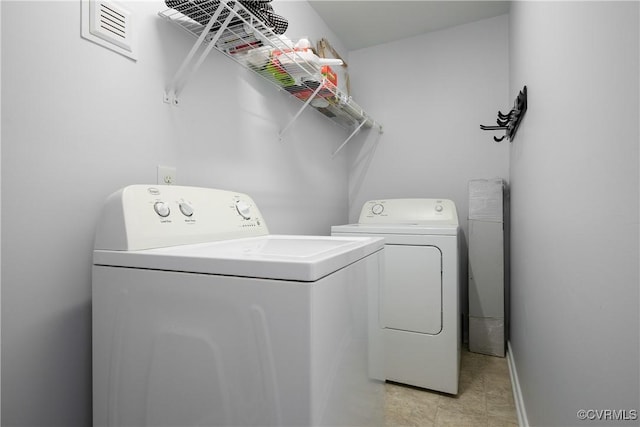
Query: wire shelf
{"points": [[234, 31]]}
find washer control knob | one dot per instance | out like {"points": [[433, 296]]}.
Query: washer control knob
{"points": [[243, 208], [162, 209], [439, 208], [186, 208], [377, 209]]}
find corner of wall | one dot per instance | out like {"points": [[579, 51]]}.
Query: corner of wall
{"points": [[515, 385]]}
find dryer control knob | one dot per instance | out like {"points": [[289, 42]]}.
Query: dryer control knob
{"points": [[244, 210], [186, 208], [439, 208], [161, 209], [377, 209]]}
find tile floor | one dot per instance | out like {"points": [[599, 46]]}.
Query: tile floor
{"points": [[484, 399]]}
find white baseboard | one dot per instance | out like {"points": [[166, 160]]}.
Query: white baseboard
{"points": [[517, 393]]}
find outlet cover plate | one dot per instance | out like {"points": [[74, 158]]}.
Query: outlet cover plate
{"points": [[166, 175]]}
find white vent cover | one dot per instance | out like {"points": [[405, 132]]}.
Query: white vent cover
{"points": [[107, 23], [111, 23]]}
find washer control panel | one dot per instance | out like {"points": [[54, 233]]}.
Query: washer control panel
{"points": [[145, 216], [409, 211]]}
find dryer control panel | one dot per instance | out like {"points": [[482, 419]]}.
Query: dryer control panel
{"points": [[409, 211], [147, 216]]}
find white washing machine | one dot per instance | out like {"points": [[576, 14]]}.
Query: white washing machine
{"points": [[202, 318], [419, 301]]}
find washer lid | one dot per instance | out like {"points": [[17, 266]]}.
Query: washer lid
{"points": [[299, 258], [401, 229]]}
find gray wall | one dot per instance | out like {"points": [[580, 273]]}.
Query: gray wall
{"points": [[79, 122], [574, 180], [431, 92]]}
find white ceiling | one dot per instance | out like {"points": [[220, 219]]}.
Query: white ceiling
{"points": [[363, 23]]}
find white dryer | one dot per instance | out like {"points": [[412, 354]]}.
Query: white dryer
{"points": [[202, 318], [419, 302]]}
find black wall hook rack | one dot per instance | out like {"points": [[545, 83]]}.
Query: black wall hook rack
{"points": [[509, 122]]}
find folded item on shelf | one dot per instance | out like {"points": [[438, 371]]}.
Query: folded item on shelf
{"points": [[201, 11], [264, 12], [235, 40], [304, 90]]}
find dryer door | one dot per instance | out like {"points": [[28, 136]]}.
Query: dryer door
{"points": [[412, 291]]}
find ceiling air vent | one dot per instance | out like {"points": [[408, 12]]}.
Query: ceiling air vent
{"points": [[108, 24]]}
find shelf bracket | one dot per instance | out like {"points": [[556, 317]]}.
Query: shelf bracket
{"points": [[364, 120], [306, 103], [189, 66]]}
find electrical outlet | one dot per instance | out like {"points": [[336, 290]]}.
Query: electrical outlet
{"points": [[166, 175]]}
